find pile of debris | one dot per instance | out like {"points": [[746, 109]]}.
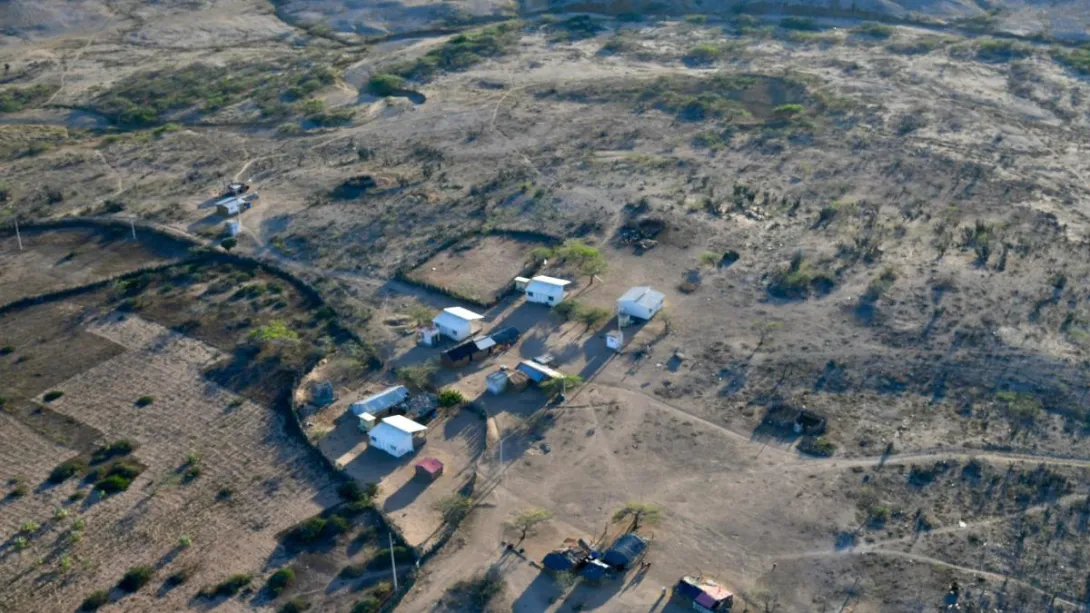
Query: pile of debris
{"points": [[641, 234]]}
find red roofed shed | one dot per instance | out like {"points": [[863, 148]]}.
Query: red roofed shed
{"points": [[429, 469]]}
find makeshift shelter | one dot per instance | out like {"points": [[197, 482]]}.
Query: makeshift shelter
{"points": [[625, 551], [497, 381], [563, 561], [428, 336], [546, 290], [397, 435], [477, 349], [421, 407], [594, 570], [231, 206], [374, 407], [641, 302], [457, 323], [505, 337], [429, 469], [538, 373], [705, 595]]}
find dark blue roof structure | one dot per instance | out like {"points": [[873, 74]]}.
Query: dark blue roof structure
{"points": [[625, 550]]}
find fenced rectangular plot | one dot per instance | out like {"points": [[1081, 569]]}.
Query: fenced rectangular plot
{"points": [[477, 269]]}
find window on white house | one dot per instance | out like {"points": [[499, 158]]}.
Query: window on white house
{"points": [[530, 294]]}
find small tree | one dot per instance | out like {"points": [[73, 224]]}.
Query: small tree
{"points": [[587, 259], [451, 398], [640, 513], [229, 243], [552, 387], [454, 508], [135, 578], [527, 520], [281, 580], [592, 316], [419, 315]]}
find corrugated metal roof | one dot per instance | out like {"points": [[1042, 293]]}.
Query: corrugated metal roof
{"points": [[538, 372], [484, 342], [381, 401], [404, 424], [643, 296], [550, 281], [461, 313]]}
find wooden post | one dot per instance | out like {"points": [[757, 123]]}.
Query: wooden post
{"points": [[18, 237], [393, 563]]}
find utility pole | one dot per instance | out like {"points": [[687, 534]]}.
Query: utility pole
{"points": [[132, 225], [393, 564], [18, 237]]}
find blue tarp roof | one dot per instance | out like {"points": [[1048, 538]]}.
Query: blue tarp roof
{"points": [[625, 550], [560, 561], [505, 336], [381, 401]]}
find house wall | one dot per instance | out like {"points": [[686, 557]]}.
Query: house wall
{"points": [[544, 294], [396, 447], [638, 310], [459, 334]]}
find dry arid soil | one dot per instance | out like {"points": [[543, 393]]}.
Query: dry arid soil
{"points": [[878, 213]]}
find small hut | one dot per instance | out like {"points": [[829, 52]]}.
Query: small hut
{"points": [[429, 469]]}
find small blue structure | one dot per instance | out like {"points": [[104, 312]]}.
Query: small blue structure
{"points": [[626, 551], [563, 561], [538, 373], [505, 336]]}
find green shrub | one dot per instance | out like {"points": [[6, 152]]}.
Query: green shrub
{"points": [[463, 51], [804, 24], [385, 84], [579, 27], [704, 54], [417, 376], [351, 491], [873, 30], [381, 559], [53, 395], [369, 604], [454, 508], [276, 330], [95, 600], [112, 450], [135, 578], [787, 111], [29, 527], [6, 349], [185, 541], [118, 478], [229, 587], [799, 279], [144, 401], [15, 99], [21, 489], [1001, 50], [66, 470], [229, 243], [113, 484], [480, 590], [817, 446], [451, 398], [281, 580], [295, 605]]}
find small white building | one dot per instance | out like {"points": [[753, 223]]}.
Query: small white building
{"points": [[457, 323], [546, 290], [641, 302], [397, 435]]}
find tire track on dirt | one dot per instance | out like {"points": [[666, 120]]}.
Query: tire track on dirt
{"points": [[1065, 599]]}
